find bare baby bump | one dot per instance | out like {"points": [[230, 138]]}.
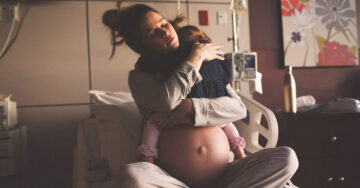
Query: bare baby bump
{"points": [[194, 155]]}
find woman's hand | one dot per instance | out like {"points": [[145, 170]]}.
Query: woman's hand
{"points": [[183, 114], [204, 52]]}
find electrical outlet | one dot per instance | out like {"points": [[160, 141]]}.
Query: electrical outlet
{"points": [[222, 18]]}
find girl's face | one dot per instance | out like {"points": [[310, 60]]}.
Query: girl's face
{"points": [[158, 35]]}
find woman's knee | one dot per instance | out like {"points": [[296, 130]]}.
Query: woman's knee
{"points": [[291, 161], [127, 176]]}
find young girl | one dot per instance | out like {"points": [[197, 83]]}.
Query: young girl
{"points": [[216, 77]]}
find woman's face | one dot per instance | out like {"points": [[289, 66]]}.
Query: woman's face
{"points": [[158, 35]]}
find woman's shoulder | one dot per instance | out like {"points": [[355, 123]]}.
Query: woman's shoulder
{"points": [[138, 78], [137, 75]]}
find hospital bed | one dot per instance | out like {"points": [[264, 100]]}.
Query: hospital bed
{"points": [[109, 137]]}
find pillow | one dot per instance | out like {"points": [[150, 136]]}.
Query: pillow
{"points": [[112, 98]]}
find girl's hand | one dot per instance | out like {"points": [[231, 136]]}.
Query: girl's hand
{"points": [[204, 52], [183, 114]]}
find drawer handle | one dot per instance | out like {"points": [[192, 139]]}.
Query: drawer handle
{"points": [[341, 179], [329, 179], [334, 138]]}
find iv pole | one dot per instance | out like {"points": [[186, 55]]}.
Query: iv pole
{"points": [[236, 6], [234, 27]]}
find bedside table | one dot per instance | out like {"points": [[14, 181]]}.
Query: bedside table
{"points": [[13, 163], [327, 145]]}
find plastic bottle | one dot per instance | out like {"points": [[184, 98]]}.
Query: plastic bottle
{"points": [[289, 87]]}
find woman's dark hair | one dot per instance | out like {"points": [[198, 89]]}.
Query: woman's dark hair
{"points": [[124, 23]]}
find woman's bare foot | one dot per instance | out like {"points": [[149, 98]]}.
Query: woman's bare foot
{"points": [[239, 152]]}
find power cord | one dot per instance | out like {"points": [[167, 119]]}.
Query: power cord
{"points": [[15, 19]]}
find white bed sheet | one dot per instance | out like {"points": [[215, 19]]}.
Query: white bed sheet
{"points": [[109, 139]]}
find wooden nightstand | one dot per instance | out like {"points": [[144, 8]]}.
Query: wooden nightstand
{"points": [[327, 145], [13, 159]]}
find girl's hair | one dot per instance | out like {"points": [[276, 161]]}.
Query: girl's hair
{"points": [[178, 21], [191, 34], [124, 23]]}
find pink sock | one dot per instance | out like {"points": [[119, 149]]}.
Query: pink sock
{"points": [[148, 151], [233, 136], [149, 142]]}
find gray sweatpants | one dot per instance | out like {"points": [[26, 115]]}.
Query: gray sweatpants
{"points": [[268, 168]]}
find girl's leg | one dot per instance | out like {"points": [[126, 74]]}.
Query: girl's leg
{"points": [[270, 168], [237, 143], [150, 137]]}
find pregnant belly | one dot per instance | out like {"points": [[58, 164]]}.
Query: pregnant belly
{"points": [[195, 156]]}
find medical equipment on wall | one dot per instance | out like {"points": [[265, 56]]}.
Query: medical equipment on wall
{"points": [[8, 112], [244, 65]]}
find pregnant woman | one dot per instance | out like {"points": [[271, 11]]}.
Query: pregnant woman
{"points": [[195, 156]]}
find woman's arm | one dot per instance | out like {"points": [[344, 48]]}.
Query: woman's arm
{"points": [[152, 94], [164, 97], [218, 110], [203, 111]]}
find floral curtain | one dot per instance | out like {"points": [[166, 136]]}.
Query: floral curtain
{"points": [[319, 33]]}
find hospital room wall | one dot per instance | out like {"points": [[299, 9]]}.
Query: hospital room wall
{"points": [[266, 39], [62, 51]]}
